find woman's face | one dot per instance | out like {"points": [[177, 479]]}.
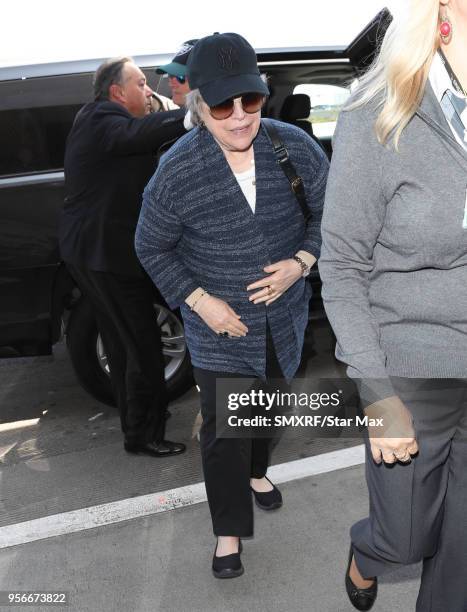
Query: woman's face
{"points": [[458, 7], [462, 9], [237, 132]]}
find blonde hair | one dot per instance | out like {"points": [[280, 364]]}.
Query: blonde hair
{"points": [[400, 71]]}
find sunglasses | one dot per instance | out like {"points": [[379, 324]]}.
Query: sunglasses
{"points": [[180, 79], [251, 103]]}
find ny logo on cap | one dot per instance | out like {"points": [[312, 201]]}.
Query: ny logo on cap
{"points": [[227, 57], [185, 48]]}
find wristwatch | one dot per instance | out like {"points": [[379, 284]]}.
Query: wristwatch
{"points": [[305, 268]]}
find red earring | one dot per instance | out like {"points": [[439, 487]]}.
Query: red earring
{"points": [[445, 29]]}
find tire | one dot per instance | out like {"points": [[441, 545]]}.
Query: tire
{"points": [[90, 362]]}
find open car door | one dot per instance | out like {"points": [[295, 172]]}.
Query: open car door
{"points": [[365, 45]]}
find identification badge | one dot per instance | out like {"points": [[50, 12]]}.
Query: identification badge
{"points": [[464, 222]]}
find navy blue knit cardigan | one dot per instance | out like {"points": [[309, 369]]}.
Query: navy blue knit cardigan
{"points": [[196, 229]]}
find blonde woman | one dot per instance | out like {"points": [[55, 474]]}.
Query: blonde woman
{"points": [[394, 270]]}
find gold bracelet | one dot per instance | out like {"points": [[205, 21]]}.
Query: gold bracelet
{"points": [[303, 265], [192, 308]]}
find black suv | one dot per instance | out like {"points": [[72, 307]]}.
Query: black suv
{"points": [[39, 301]]}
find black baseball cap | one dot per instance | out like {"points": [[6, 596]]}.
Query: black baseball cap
{"points": [[224, 66], [177, 67]]}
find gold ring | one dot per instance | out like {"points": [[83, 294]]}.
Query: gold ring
{"points": [[404, 457], [270, 290]]}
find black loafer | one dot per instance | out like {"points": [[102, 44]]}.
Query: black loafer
{"points": [[362, 599], [155, 449], [271, 500], [229, 566]]}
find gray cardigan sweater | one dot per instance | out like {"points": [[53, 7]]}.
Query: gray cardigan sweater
{"points": [[196, 229], [394, 256]]}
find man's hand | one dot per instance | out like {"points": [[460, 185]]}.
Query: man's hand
{"points": [[395, 440], [218, 315], [282, 275]]}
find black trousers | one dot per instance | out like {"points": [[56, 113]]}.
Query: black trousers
{"points": [[229, 463], [123, 307]]}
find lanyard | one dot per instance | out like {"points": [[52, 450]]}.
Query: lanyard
{"points": [[452, 75], [460, 127]]}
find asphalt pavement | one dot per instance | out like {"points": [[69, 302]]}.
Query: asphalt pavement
{"points": [[61, 451]]}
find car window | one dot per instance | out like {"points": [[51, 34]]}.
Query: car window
{"points": [[33, 139], [326, 104]]}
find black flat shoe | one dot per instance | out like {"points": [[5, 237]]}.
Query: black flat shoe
{"points": [[166, 448], [271, 500], [229, 566], [362, 599]]}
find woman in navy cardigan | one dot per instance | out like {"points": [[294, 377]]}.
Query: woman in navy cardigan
{"points": [[223, 237]]}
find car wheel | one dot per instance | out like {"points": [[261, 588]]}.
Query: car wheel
{"points": [[90, 361]]}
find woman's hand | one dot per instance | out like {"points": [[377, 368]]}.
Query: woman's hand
{"points": [[282, 275], [394, 440], [218, 315]]}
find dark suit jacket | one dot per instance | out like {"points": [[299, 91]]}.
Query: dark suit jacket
{"points": [[110, 156]]}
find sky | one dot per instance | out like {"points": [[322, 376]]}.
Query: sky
{"points": [[58, 30]]}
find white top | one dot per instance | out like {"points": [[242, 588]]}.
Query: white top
{"points": [[247, 183], [441, 82]]}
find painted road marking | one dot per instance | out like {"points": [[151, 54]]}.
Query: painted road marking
{"points": [[145, 505]]}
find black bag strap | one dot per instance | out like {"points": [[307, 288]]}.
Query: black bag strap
{"points": [[288, 168]]}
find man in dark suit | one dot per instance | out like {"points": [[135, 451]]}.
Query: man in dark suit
{"points": [[109, 158]]}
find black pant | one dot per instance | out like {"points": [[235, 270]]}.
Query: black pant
{"points": [[229, 463], [125, 316]]}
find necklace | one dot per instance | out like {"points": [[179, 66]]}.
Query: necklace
{"points": [[452, 75]]}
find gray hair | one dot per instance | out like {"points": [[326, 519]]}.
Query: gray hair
{"points": [[107, 74], [194, 104]]}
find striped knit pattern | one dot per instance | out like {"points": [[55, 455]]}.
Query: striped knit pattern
{"points": [[197, 229]]}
